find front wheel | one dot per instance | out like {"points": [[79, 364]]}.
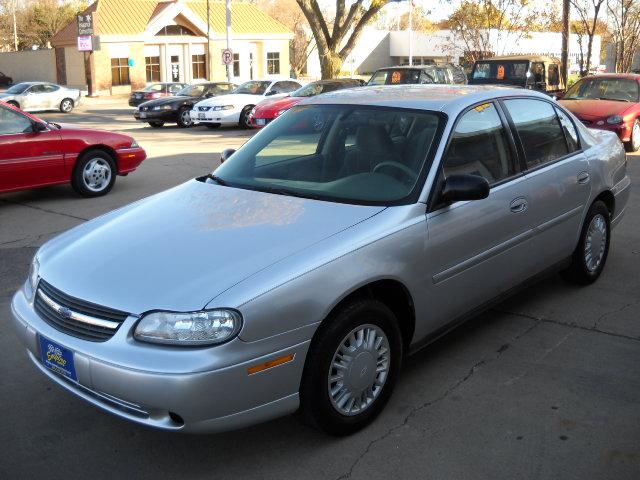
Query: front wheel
{"points": [[591, 253], [351, 368], [94, 174], [633, 145], [184, 118], [66, 105], [245, 121]]}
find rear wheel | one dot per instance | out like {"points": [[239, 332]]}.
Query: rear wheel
{"points": [[94, 174], [66, 105], [590, 255], [212, 126], [156, 124], [244, 117], [14, 103], [351, 368], [633, 145], [184, 118]]}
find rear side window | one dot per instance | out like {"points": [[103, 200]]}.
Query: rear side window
{"points": [[570, 132], [539, 130], [479, 146]]}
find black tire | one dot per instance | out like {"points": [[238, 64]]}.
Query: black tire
{"points": [[580, 272], [14, 103], [244, 117], [633, 145], [184, 119], [66, 105], [81, 184], [212, 126], [316, 406], [156, 124]]}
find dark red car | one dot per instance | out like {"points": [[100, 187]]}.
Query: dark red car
{"points": [[34, 153], [153, 91], [269, 109], [608, 102]]}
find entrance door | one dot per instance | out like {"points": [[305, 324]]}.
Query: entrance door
{"points": [[175, 68]]}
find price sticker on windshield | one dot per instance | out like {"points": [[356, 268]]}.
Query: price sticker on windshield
{"points": [[482, 108], [500, 75], [396, 77]]}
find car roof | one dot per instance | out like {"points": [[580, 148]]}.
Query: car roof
{"points": [[449, 99]]}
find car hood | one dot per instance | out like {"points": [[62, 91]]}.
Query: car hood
{"points": [[237, 99], [167, 100], [593, 109], [274, 105], [179, 249]]}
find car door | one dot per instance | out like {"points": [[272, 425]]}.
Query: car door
{"points": [[35, 98], [478, 249], [49, 96], [28, 158], [558, 172]]}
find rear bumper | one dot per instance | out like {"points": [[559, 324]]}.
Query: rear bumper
{"points": [[129, 159]]}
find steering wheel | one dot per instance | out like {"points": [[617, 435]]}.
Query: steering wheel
{"points": [[400, 166]]}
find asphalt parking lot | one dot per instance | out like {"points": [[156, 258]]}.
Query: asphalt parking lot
{"points": [[544, 386]]}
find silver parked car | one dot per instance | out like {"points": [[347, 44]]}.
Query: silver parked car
{"points": [[39, 96], [356, 228]]}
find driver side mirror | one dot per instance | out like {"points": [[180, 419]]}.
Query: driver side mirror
{"points": [[226, 153], [464, 187]]}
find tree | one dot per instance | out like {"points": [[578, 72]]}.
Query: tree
{"points": [[624, 18], [420, 21], [336, 39], [587, 25]]}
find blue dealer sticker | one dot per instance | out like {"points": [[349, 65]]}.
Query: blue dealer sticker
{"points": [[57, 358]]}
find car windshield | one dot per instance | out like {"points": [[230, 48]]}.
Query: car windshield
{"points": [[343, 153], [501, 71], [253, 88], [617, 89], [192, 91], [317, 88], [18, 88]]}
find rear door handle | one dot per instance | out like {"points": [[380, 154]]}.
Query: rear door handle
{"points": [[518, 205], [583, 177]]}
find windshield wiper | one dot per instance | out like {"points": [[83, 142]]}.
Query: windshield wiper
{"points": [[290, 193], [614, 99], [217, 179]]}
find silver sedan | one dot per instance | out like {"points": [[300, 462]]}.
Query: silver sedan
{"points": [[353, 230], [39, 96]]}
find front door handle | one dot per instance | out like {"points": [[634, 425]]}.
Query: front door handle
{"points": [[518, 205], [583, 177]]}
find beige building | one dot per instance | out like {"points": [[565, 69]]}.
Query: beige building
{"points": [[142, 41]]}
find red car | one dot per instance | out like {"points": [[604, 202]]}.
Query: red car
{"points": [[269, 109], [608, 102], [34, 153]]}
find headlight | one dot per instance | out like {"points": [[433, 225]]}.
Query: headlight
{"points": [[614, 120], [222, 107], [207, 327], [134, 144], [163, 107], [34, 272]]}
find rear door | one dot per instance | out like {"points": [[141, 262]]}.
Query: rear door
{"points": [[558, 172], [28, 158], [479, 249]]}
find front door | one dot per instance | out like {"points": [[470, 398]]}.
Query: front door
{"points": [[478, 249], [175, 68], [28, 158]]}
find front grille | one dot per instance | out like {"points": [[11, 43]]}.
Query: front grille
{"points": [[60, 319], [204, 109]]}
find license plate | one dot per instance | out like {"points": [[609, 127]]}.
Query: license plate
{"points": [[261, 122], [143, 115], [57, 358], [202, 116]]}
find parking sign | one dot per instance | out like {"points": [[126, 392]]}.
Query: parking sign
{"points": [[227, 56]]}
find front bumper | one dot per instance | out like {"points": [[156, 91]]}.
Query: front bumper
{"points": [[129, 159], [223, 117], [156, 115], [116, 377]]}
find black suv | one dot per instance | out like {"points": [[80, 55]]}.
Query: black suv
{"points": [[176, 109], [446, 74]]}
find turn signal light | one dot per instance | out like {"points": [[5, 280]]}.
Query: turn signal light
{"points": [[271, 363]]}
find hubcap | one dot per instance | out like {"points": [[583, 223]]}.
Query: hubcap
{"points": [[635, 136], [595, 243], [96, 174], [66, 105], [359, 370], [186, 118]]}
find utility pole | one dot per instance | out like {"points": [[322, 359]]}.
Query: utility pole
{"points": [[208, 56], [410, 33], [230, 66], [565, 42]]}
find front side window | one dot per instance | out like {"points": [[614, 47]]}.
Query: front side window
{"points": [[273, 63], [539, 130], [479, 146], [342, 153], [198, 65], [152, 66], [554, 74], [12, 122], [379, 78], [120, 71]]}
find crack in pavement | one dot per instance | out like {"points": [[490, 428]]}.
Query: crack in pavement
{"points": [[46, 210], [618, 310], [430, 403]]}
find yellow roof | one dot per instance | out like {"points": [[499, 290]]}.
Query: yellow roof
{"points": [[131, 17]]}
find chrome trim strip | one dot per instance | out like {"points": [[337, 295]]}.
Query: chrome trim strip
{"points": [[559, 219], [78, 317]]}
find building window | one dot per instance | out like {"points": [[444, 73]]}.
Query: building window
{"points": [[198, 64], [273, 63], [153, 68], [236, 64], [175, 30], [120, 71]]}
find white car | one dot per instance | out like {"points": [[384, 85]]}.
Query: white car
{"points": [[235, 107]]}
